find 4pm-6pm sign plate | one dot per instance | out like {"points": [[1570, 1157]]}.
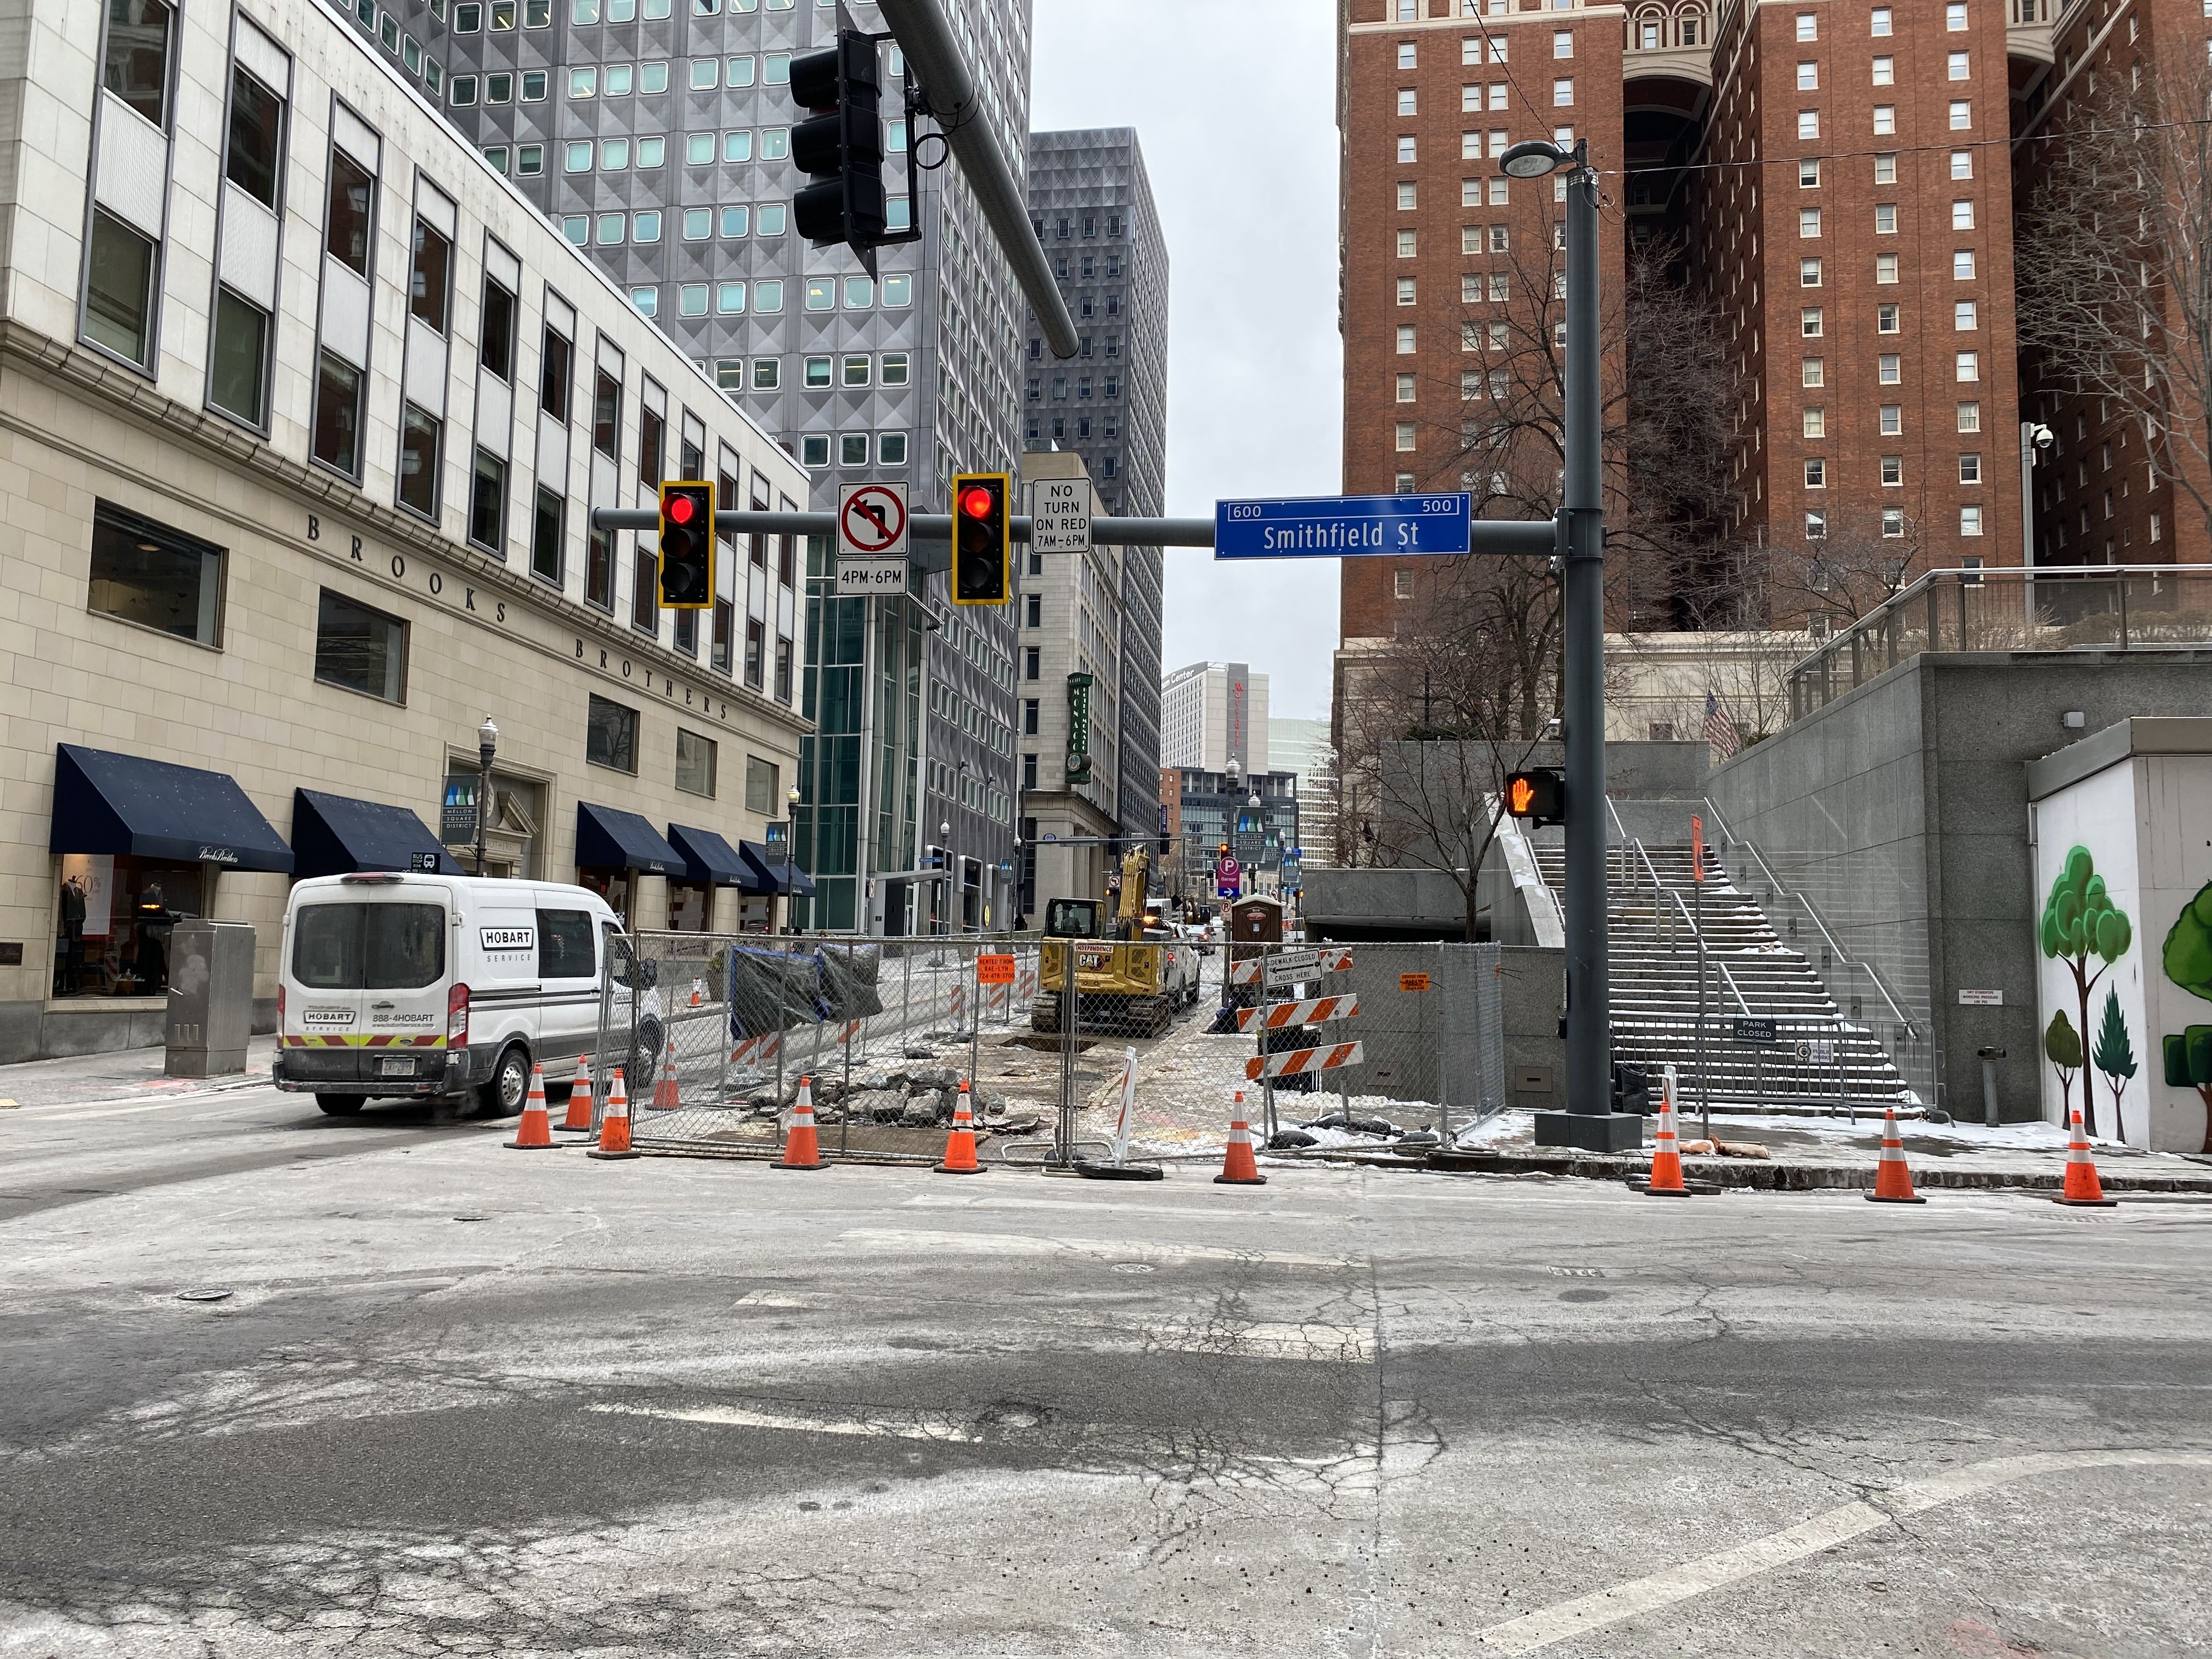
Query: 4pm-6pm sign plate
{"points": [[1342, 526]]}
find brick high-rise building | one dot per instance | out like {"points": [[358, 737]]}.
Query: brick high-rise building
{"points": [[1838, 177]]}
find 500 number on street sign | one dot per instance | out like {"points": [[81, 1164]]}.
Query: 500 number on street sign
{"points": [[1342, 526]]}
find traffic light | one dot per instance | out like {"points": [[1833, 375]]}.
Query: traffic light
{"points": [[982, 539], [687, 546], [842, 144], [1540, 795]]}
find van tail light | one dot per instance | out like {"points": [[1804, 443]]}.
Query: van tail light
{"points": [[456, 1018], [280, 1005]]}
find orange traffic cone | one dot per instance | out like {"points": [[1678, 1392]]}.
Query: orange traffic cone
{"points": [[960, 1144], [535, 1133], [2082, 1187], [579, 1099], [800, 1149], [1667, 1153], [1238, 1167], [1892, 1178], [665, 1096], [614, 1127]]}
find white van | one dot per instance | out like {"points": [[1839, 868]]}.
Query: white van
{"points": [[427, 986]]}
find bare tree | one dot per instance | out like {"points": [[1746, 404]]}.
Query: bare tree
{"points": [[2115, 259]]}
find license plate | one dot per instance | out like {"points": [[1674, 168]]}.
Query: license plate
{"points": [[395, 1066]]}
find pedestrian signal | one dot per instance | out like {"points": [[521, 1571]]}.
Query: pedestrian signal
{"points": [[1538, 795], [687, 546], [982, 539]]}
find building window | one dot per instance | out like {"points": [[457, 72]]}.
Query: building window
{"points": [[1970, 472], [1563, 92], [429, 281], [1958, 69], [1889, 368], [1408, 245], [1814, 422], [1405, 339], [610, 735], [1405, 148], [255, 157], [1809, 124], [1816, 474], [1885, 120], [1892, 523], [338, 415], [1970, 366], [1809, 322], [548, 535], [645, 593], [1563, 43], [1032, 662], [420, 435], [1813, 372], [1885, 71], [1884, 267], [1405, 388], [118, 290], [361, 649], [1403, 586], [1970, 521], [1962, 114], [1962, 265], [1403, 438], [1808, 77], [1892, 420], [1885, 168], [1808, 222], [1404, 290], [1962, 215], [1808, 273], [1892, 470], [495, 346], [238, 358], [1809, 174], [1885, 219], [1882, 20], [145, 572], [1966, 316], [1886, 317], [695, 763], [1970, 417], [606, 415], [1816, 526], [1809, 25]]}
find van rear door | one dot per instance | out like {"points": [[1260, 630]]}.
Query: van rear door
{"points": [[406, 965]]}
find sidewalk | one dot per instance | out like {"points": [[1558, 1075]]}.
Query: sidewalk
{"points": [[122, 1074], [1807, 1153]]}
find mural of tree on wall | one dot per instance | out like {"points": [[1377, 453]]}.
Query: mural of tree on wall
{"points": [[2062, 1047], [2078, 922], [2187, 959], [2115, 1056]]}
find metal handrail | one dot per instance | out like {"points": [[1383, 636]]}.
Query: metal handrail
{"points": [[1728, 980], [1730, 840]]}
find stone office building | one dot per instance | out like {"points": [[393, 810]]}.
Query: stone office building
{"points": [[303, 410]]}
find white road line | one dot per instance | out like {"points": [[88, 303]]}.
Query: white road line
{"points": [[922, 1426], [1096, 1205], [1535, 1630], [1106, 1249]]}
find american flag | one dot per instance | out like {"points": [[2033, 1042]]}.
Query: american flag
{"points": [[1720, 730]]}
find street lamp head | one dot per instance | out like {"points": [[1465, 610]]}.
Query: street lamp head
{"points": [[1533, 158], [945, 828], [488, 736], [791, 795]]}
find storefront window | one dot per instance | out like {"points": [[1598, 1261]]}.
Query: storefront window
{"points": [[116, 913], [690, 905], [615, 886]]}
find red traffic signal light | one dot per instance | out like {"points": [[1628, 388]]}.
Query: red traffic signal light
{"points": [[687, 545], [982, 539], [1539, 795]]}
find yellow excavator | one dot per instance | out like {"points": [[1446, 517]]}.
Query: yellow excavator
{"points": [[1131, 980]]}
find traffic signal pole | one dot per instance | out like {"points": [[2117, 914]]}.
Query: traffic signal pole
{"points": [[1588, 1120], [933, 56]]}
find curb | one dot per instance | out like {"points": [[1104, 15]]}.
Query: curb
{"points": [[1748, 1175]]}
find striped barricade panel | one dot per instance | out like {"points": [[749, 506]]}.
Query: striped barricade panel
{"points": [[1310, 1011], [1297, 1060]]}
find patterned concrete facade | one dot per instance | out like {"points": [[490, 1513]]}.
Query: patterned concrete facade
{"points": [[485, 629]]}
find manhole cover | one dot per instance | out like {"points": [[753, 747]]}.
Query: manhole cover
{"points": [[205, 1294], [1585, 1296], [1132, 1266]]}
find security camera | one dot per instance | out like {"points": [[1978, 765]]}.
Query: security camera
{"points": [[2042, 435]]}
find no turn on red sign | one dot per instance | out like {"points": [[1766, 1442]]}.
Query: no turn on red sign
{"points": [[872, 539]]}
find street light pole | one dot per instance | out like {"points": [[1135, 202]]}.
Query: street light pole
{"points": [[487, 746], [790, 852]]}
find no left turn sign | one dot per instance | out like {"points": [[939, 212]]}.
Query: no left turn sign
{"points": [[871, 520]]}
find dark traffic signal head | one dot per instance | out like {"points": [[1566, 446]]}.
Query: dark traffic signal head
{"points": [[842, 145], [982, 539], [1539, 795], [687, 545]]}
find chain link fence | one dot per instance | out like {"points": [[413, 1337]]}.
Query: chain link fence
{"points": [[714, 1033]]}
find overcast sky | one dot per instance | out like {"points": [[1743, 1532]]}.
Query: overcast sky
{"points": [[1237, 121]]}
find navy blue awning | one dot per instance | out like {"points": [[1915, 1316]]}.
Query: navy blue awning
{"points": [[707, 856], [334, 835], [610, 840], [766, 873], [118, 804]]}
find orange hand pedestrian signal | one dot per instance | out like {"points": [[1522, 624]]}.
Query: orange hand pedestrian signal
{"points": [[1539, 795]]}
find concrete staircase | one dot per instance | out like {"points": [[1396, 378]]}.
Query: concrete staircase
{"points": [[1653, 956]]}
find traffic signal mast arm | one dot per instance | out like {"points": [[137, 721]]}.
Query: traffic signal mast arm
{"points": [[1491, 535]]}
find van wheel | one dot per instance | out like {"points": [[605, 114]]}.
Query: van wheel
{"points": [[503, 1097], [341, 1105]]}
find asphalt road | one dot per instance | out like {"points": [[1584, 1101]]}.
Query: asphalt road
{"points": [[461, 1400]]}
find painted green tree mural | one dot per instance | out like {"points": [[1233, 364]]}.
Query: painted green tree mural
{"points": [[2115, 1056], [2062, 1047], [2187, 959], [2080, 922]]}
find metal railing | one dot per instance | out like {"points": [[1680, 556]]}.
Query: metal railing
{"points": [[2076, 608]]}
